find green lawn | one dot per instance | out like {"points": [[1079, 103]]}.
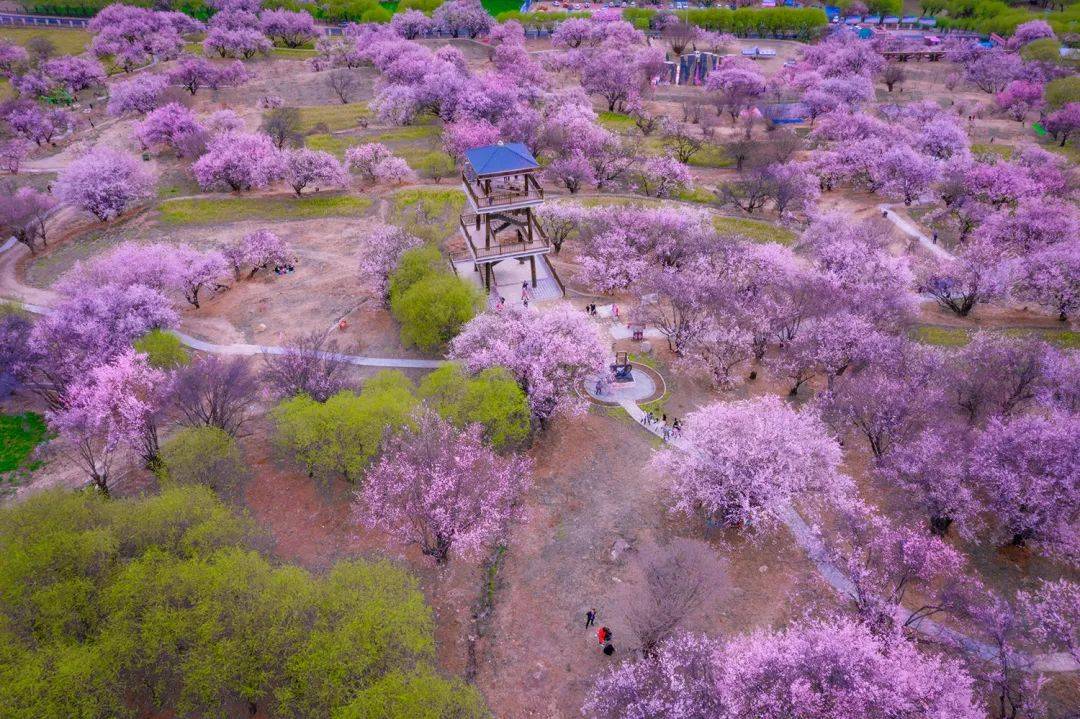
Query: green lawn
{"points": [[940, 336], [958, 336], [294, 53], [333, 117], [431, 215], [754, 230], [707, 156], [615, 120], [711, 156], [68, 41], [1003, 151], [233, 209], [334, 144], [19, 434], [494, 7], [407, 133], [698, 194]]}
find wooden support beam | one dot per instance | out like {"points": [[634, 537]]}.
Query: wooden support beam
{"points": [[532, 269]]}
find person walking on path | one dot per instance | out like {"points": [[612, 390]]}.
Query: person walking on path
{"points": [[603, 634], [590, 618]]}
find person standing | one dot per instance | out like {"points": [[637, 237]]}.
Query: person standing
{"points": [[590, 618], [603, 635]]}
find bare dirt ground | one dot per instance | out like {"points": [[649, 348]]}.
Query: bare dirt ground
{"points": [[593, 491]]}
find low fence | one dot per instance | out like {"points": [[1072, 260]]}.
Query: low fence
{"points": [[19, 20]]}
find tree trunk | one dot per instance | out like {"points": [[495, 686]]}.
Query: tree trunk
{"points": [[939, 526]]}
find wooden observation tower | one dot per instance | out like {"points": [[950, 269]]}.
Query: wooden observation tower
{"points": [[499, 224]]}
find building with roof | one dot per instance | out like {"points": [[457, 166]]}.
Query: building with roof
{"points": [[499, 226]]}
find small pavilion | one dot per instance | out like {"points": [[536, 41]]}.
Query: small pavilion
{"points": [[498, 224]]}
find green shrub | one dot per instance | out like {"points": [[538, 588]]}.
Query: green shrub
{"points": [[163, 349], [340, 436], [433, 310], [492, 399], [206, 456]]}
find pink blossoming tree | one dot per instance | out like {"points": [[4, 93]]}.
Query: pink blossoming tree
{"points": [[104, 182], [745, 463], [442, 489], [239, 161], [548, 352], [1027, 467]]}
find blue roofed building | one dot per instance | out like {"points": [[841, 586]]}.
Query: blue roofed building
{"points": [[499, 226]]}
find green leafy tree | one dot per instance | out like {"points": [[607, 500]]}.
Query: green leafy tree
{"points": [[1046, 50], [159, 605], [202, 455], [415, 696], [340, 436], [1062, 91], [163, 349], [414, 265], [885, 7], [932, 7], [492, 399], [433, 310]]}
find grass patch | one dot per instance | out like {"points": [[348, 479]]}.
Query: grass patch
{"points": [[1071, 151], [940, 336], [431, 215], [19, 434], [711, 156], [754, 230], [616, 120], [334, 144], [333, 117], [697, 194], [958, 336], [1065, 339], [233, 209], [407, 133], [619, 201], [293, 53], [1003, 151], [68, 41], [494, 7]]}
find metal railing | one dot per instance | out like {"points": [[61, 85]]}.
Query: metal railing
{"points": [[482, 199], [555, 275]]}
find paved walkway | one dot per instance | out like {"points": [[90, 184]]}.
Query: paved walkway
{"points": [[909, 229]]}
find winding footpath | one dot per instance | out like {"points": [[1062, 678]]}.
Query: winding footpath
{"points": [[911, 230], [37, 301]]}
